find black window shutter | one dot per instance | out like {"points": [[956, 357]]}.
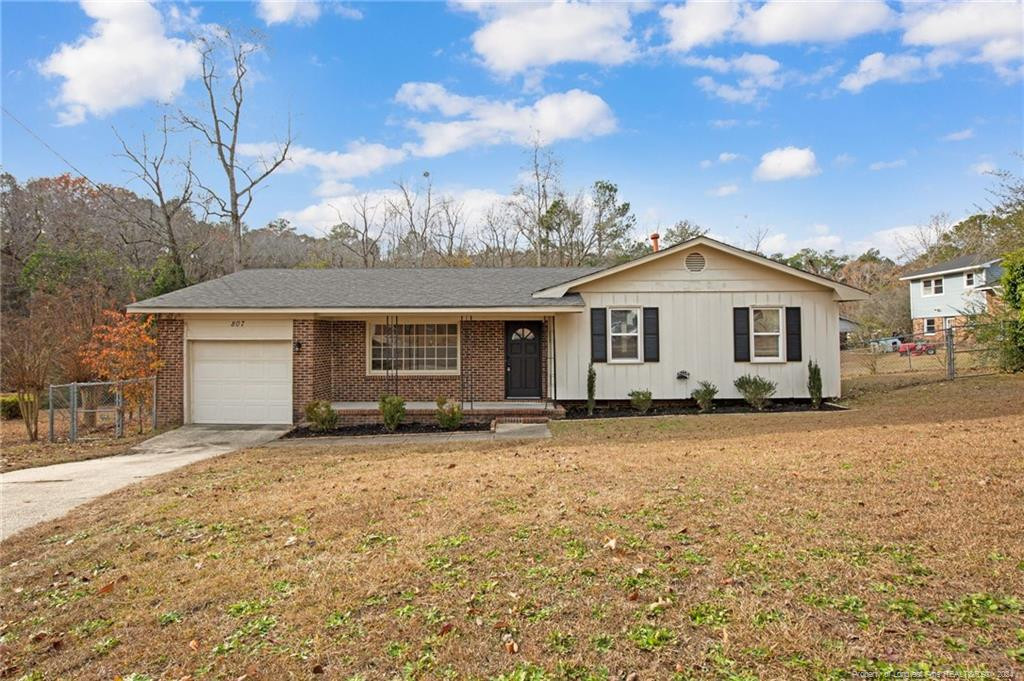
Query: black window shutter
{"points": [[741, 334], [794, 342], [651, 334], [598, 334]]}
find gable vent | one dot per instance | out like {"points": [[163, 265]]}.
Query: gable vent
{"points": [[695, 262]]}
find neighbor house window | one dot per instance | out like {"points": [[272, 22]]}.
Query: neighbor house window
{"points": [[766, 333], [968, 278], [414, 347], [624, 334], [932, 287], [929, 326]]}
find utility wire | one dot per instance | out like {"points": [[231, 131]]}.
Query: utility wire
{"points": [[100, 188]]}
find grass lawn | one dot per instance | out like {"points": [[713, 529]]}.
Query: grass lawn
{"points": [[17, 452], [796, 545]]}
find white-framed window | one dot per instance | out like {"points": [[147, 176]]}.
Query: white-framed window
{"points": [[968, 279], [766, 334], [931, 287], [929, 325], [623, 334], [428, 348]]}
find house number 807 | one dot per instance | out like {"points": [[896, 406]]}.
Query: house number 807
{"points": [[237, 322]]}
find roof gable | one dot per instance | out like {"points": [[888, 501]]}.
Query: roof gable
{"points": [[841, 291], [963, 263]]}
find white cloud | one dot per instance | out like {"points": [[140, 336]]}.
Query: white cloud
{"points": [[991, 29], [878, 66], [696, 23], [359, 159], [843, 160], [723, 158], [786, 163], [126, 59], [288, 11], [983, 168], [887, 165], [574, 114], [890, 242], [320, 216], [784, 21], [959, 135], [757, 71], [517, 38], [723, 123], [724, 190]]}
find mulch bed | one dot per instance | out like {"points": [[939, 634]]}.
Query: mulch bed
{"points": [[579, 411], [378, 429]]}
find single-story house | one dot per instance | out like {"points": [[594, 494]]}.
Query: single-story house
{"points": [[256, 346], [846, 327], [946, 294]]}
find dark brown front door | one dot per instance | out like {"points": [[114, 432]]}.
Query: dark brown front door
{"points": [[522, 359]]}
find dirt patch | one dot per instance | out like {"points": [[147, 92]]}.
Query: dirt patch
{"points": [[16, 452], [884, 540]]}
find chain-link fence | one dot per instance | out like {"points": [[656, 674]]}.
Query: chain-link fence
{"points": [[942, 354], [101, 409]]}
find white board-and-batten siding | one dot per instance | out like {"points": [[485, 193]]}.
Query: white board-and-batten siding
{"points": [[695, 311]]}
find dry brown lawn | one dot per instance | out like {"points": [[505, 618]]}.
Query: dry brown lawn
{"points": [[17, 452], [797, 545]]}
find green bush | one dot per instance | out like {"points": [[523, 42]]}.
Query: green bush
{"points": [[641, 400], [392, 411], [757, 391], [321, 415], [591, 389], [9, 409], [449, 414], [704, 395], [814, 383]]}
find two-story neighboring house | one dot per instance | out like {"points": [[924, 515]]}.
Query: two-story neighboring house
{"points": [[946, 294]]}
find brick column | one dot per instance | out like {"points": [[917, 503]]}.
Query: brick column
{"points": [[170, 378], [311, 364]]}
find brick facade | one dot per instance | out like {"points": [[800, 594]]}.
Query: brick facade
{"points": [[940, 328], [329, 363], [170, 378], [482, 361], [311, 363]]}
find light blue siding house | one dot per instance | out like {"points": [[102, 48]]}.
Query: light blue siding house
{"points": [[945, 294]]}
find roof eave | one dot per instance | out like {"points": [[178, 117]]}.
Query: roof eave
{"points": [[954, 270], [282, 311]]}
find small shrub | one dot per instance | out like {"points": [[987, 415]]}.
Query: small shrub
{"points": [[591, 389], [449, 414], [756, 390], [814, 383], [704, 395], [392, 411], [641, 400], [9, 409], [321, 415]]}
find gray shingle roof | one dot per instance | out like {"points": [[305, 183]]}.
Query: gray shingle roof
{"points": [[961, 263], [375, 288]]}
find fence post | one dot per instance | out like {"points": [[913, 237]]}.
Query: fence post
{"points": [[50, 404], [119, 409], [950, 354], [154, 403], [73, 409]]}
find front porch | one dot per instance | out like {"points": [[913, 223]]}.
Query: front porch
{"points": [[514, 411]]}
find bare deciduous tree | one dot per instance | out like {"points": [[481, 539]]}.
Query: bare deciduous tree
{"points": [[362, 239], [499, 237], [220, 126], [159, 223], [533, 197], [413, 217]]}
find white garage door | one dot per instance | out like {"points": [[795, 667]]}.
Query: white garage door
{"points": [[241, 381]]}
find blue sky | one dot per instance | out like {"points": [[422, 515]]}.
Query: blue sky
{"points": [[834, 125]]}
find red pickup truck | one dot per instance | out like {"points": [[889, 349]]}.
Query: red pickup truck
{"points": [[918, 348]]}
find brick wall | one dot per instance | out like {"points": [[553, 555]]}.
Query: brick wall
{"points": [[482, 364], [311, 363], [170, 379]]}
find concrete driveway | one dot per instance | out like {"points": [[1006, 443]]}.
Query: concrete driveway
{"points": [[34, 495]]}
